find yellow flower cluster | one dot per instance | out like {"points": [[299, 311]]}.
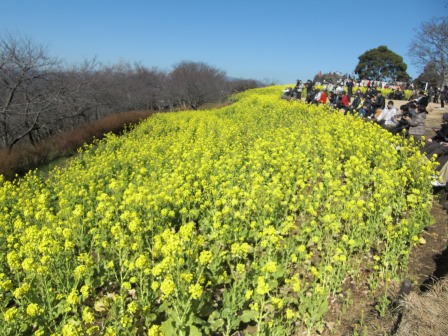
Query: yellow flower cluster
{"points": [[253, 210]]}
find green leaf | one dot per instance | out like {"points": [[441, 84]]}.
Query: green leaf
{"points": [[216, 324], [215, 321], [247, 316], [226, 313], [193, 331], [168, 327]]}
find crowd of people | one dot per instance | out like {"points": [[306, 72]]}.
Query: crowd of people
{"points": [[408, 119]]}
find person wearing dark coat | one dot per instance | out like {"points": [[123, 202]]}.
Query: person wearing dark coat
{"points": [[422, 100], [355, 105], [349, 89], [438, 146], [379, 103], [438, 143]]}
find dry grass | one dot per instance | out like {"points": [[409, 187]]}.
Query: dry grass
{"points": [[26, 157], [427, 313]]}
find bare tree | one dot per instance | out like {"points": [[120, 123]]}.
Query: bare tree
{"points": [[127, 87], [25, 74], [430, 46], [196, 83], [39, 97]]}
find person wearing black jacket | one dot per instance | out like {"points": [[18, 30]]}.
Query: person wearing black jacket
{"points": [[438, 146], [422, 99], [438, 143], [355, 105], [379, 103], [349, 89]]}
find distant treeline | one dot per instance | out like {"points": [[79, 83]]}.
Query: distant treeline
{"points": [[39, 97]]}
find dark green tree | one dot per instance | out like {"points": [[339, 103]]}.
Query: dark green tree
{"points": [[429, 75], [382, 64]]}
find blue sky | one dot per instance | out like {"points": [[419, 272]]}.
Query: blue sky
{"points": [[277, 41]]}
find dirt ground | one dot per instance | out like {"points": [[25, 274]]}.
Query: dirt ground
{"points": [[428, 262]]}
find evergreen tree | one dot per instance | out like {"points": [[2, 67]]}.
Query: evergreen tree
{"points": [[382, 64]]}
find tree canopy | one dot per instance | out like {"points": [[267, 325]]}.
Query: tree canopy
{"points": [[382, 64]]}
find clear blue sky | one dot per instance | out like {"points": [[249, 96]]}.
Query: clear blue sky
{"points": [[266, 40]]}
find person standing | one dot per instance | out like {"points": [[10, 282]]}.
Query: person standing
{"points": [[349, 89], [309, 87], [436, 95], [430, 94], [443, 96], [298, 90]]}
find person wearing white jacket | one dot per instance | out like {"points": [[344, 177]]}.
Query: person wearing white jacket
{"points": [[387, 115]]}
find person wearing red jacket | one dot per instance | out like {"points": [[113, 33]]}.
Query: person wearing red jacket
{"points": [[323, 98], [343, 101]]}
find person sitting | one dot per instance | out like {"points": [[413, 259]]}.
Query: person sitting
{"points": [[413, 96], [364, 107], [442, 132], [437, 147], [438, 144], [332, 98], [355, 105], [399, 95], [287, 93], [321, 97], [417, 123], [386, 117], [378, 103], [343, 101], [369, 90], [391, 95], [422, 99], [412, 110], [401, 125], [368, 105]]}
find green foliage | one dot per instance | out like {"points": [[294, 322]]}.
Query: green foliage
{"points": [[382, 64]]}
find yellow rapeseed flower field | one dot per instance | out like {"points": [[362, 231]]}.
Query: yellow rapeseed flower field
{"points": [[197, 223]]}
